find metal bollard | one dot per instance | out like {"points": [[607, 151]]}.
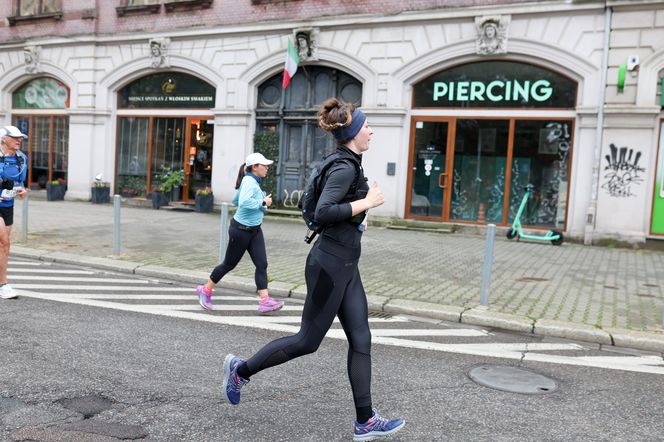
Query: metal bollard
{"points": [[488, 262], [223, 241], [24, 221], [116, 225]]}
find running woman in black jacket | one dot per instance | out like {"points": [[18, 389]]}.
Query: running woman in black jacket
{"points": [[333, 281]]}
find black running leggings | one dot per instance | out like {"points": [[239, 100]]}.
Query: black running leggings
{"points": [[241, 239], [334, 289]]}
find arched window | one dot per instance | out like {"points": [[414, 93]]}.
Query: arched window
{"points": [[287, 125], [48, 132]]}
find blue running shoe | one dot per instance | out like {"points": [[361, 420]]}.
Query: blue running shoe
{"points": [[232, 381], [377, 427]]}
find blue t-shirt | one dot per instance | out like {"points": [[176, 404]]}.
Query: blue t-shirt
{"points": [[11, 170], [249, 202]]}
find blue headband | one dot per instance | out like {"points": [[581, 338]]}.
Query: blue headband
{"points": [[345, 133]]}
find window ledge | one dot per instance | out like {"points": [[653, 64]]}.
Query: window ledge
{"points": [[13, 20], [172, 5], [124, 10]]}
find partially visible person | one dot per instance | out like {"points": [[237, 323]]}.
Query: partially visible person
{"points": [[245, 234], [13, 172]]}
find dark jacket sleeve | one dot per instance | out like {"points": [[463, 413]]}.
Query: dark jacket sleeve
{"points": [[330, 208]]}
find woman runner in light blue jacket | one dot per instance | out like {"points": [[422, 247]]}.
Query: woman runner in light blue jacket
{"points": [[245, 234]]}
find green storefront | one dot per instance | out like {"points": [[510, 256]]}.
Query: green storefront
{"points": [[480, 132]]}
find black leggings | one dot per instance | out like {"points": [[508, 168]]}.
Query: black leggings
{"points": [[334, 289], [240, 239]]}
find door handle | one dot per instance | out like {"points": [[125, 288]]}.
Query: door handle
{"points": [[440, 180]]}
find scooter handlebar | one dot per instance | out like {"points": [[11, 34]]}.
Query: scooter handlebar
{"points": [[529, 188]]}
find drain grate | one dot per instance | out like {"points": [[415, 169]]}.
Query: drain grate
{"points": [[512, 379], [650, 285], [381, 315], [531, 279], [612, 287]]}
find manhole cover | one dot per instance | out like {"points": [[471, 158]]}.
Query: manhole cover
{"points": [[512, 379]]}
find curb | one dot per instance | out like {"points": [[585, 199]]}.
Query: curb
{"points": [[476, 316]]}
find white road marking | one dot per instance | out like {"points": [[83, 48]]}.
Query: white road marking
{"points": [[25, 263], [75, 279], [12, 271], [99, 288], [154, 297], [518, 351]]}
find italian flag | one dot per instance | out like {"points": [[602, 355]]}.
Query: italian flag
{"points": [[292, 60]]}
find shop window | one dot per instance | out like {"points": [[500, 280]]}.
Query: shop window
{"points": [[30, 10], [132, 157], [47, 145], [478, 175], [496, 84], [541, 157]]}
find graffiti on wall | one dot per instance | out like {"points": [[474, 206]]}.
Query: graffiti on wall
{"points": [[622, 172], [292, 199]]}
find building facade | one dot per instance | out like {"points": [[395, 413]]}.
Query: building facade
{"points": [[468, 103]]}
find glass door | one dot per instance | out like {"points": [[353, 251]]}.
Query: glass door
{"points": [[167, 150], [198, 166], [479, 171], [428, 177]]}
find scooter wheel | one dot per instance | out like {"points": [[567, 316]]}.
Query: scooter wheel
{"points": [[511, 234], [559, 241]]}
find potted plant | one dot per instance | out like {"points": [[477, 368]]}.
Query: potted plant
{"points": [[158, 195], [172, 181], [55, 190], [100, 191], [204, 200]]}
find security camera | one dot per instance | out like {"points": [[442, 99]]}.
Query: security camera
{"points": [[633, 63]]}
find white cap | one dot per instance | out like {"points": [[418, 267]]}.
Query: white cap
{"points": [[257, 158], [12, 131]]}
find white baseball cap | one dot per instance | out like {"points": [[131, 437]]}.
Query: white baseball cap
{"points": [[12, 131], [257, 158]]}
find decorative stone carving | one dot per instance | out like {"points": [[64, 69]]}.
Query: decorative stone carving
{"points": [[306, 43], [159, 52], [32, 62], [492, 34]]}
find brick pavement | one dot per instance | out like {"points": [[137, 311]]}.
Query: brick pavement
{"points": [[599, 286]]}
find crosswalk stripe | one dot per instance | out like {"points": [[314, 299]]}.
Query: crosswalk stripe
{"points": [[156, 297], [12, 271], [25, 263], [99, 288], [454, 332], [75, 279], [227, 307]]}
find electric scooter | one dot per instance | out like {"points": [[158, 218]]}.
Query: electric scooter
{"points": [[554, 236]]}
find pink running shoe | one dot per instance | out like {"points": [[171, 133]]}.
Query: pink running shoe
{"points": [[204, 298], [269, 305]]}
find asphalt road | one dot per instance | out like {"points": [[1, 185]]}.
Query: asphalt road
{"points": [[132, 358]]}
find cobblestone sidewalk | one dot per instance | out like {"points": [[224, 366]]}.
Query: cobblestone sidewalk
{"points": [[598, 286]]}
